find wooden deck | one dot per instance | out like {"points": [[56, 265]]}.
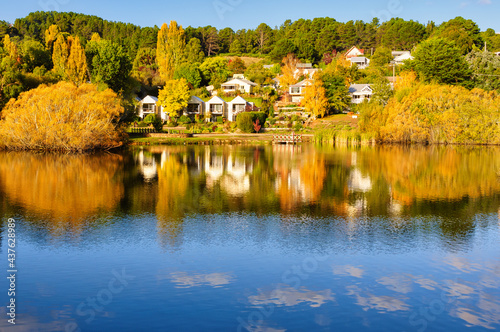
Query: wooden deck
{"points": [[287, 139]]}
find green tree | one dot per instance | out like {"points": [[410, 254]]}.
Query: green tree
{"points": [[109, 64], [258, 74], [381, 57], [485, 68], [34, 54], [144, 68], [465, 34], [215, 71], [174, 97], [439, 60], [11, 80], [236, 47], [337, 91], [194, 52], [191, 72]]}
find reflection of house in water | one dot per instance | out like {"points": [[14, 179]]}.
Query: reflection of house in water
{"points": [[147, 165], [358, 182], [231, 171]]}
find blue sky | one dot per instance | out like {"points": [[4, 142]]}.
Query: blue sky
{"points": [[240, 14]]}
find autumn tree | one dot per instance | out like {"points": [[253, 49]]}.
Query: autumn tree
{"points": [[170, 49], [237, 66], [76, 67], [60, 55], [174, 97], [315, 100], [289, 65], [62, 117], [51, 36]]}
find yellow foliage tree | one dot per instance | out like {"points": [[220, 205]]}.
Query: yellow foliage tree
{"points": [[315, 100], [95, 37], [288, 71], [76, 68], [51, 36], [174, 96], [170, 49], [442, 114], [10, 47], [406, 79], [62, 117], [60, 55]]}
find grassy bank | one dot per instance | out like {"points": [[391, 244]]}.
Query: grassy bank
{"points": [[339, 135]]}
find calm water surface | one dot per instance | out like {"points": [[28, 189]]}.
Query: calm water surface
{"points": [[274, 238]]}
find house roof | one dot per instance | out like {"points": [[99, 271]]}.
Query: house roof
{"points": [[239, 80], [353, 48], [195, 100], [149, 100], [398, 53], [301, 84], [239, 100], [402, 57], [216, 100], [358, 88], [268, 66]]}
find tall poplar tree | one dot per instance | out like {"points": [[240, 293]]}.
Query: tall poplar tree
{"points": [[76, 68], [60, 55], [170, 49]]}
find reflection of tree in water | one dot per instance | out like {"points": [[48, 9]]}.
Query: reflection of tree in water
{"points": [[64, 189]]}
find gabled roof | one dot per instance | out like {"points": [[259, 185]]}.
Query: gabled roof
{"points": [[358, 88], [195, 100], [239, 81], [149, 100], [216, 100], [304, 66], [355, 48], [303, 83], [239, 100]]}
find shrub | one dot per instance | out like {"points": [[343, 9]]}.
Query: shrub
{"points": [[184, 119], [62, 117], [295, 118], [200, 119], [272, 121], [245, 123], [158, 124], [298, 127], [172, 123], [220, 119], [142, 124], [261, 116], [149, 118]]}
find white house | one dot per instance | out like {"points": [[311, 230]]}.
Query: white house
{"points": [[148, 105], [361, 61], [236, 106], [217, 107], [298, 90], [238, 84], [304, 69], [401, 56], [360, 92], [195, 106], [354, 52]]}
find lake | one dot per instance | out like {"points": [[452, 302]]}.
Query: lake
{"points": [[254, 238]]}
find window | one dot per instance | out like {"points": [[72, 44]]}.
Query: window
{"points": [[148, 108], [216, 108], [193, 108], [295, 90], [238, 108]]}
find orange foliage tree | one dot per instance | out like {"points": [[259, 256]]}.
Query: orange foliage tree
{"points": [[62, 117]]}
